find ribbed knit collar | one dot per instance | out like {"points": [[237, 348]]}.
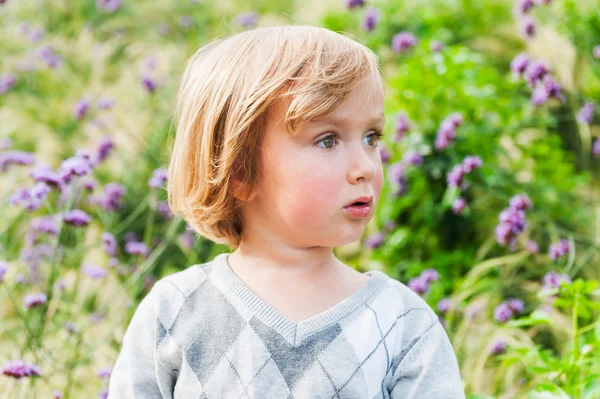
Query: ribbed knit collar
{"points": [[294, 332]]}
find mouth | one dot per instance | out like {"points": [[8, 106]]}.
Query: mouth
{"points": [[361, 202], [360, 207]]}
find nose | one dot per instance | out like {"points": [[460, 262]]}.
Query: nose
{"points": [[363, 164]]}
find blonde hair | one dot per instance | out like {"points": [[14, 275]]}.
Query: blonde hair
{"points": [[227, 88]]}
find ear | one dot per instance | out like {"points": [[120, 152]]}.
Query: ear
{"points": [[241, 191]]}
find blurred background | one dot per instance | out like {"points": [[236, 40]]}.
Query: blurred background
{"points": [[490, 210]]}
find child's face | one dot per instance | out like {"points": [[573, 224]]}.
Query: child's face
{"points": [[305, 184]]}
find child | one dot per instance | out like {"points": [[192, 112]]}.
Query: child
{"points": [[276, 155]]}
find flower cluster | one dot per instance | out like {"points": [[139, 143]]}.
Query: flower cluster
{"points": [[421, 283], [586, 113], [456, 177], [538, 78], [403, 41], [19, 369], [512, 220], [447, 130], [553, 280], [526, 23], [558, 249], [507, 309]]}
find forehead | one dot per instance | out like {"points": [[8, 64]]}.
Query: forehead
{"points": [[365, 103]]}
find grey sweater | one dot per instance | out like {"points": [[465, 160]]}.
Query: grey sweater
{"points": [[203, 333]]}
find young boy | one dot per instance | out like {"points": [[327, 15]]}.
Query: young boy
{"points": [[276, 155]]}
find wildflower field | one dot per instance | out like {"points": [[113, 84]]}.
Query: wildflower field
{"points": [[490, 210]]}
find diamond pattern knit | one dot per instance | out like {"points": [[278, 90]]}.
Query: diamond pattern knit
{"points": [[203, 333]]}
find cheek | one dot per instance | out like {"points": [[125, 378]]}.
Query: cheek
{"points": [[313, 193]]}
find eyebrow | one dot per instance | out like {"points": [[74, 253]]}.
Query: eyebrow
{"points": [[344, 121]]}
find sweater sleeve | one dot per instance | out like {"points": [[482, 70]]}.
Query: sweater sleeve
{"points": [[429, 369], [134, 374]]}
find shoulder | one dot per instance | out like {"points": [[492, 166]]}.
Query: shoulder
{"points": [[172, 293], [406, 304], [409, 316]]}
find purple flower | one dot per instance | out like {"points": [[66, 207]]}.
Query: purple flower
{"points": [[444, 305], [375, 240], [104, 372], [19, 369], [553, 89], [524, 6], [403, 41], [596, 147], [396, 173], [47, 54], [45, 224], [3, 269], [136, 248], [94, 272], [15, 158], [32, 300], [45, 174], [459, 205], [247, 19], [430, 275], [558, 249], [108, 5], [516, 305], [30, 199], [402, 126], [354, 3], [502, 313], [470, 163], [535, 72], [418, 285], [519, 64], [113, 195], [539, 96], [56, 394], [498, 347], [104, 148], [527, 27], [159, 178], [110, 243], [186, 240], [80, 108], [77, 217], [520, 202], [7, 82], [446, 133], [370, 19], [148, 83], [74, 166], [385, 154], [103, 394], [164, 209], [455, 177], [436, 46], [552, 280], [597, 52], [586, 113], [413, 158]]}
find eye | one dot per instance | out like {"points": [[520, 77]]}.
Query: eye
{"points": [[375, 137], [329, 139]]}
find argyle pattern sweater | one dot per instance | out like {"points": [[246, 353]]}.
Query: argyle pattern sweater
{"points": [[202, 333]]}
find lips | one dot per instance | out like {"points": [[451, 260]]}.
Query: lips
{"points": [[361, 201]]}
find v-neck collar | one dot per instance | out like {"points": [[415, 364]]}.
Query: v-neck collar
{"points": [[295, 332]]}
